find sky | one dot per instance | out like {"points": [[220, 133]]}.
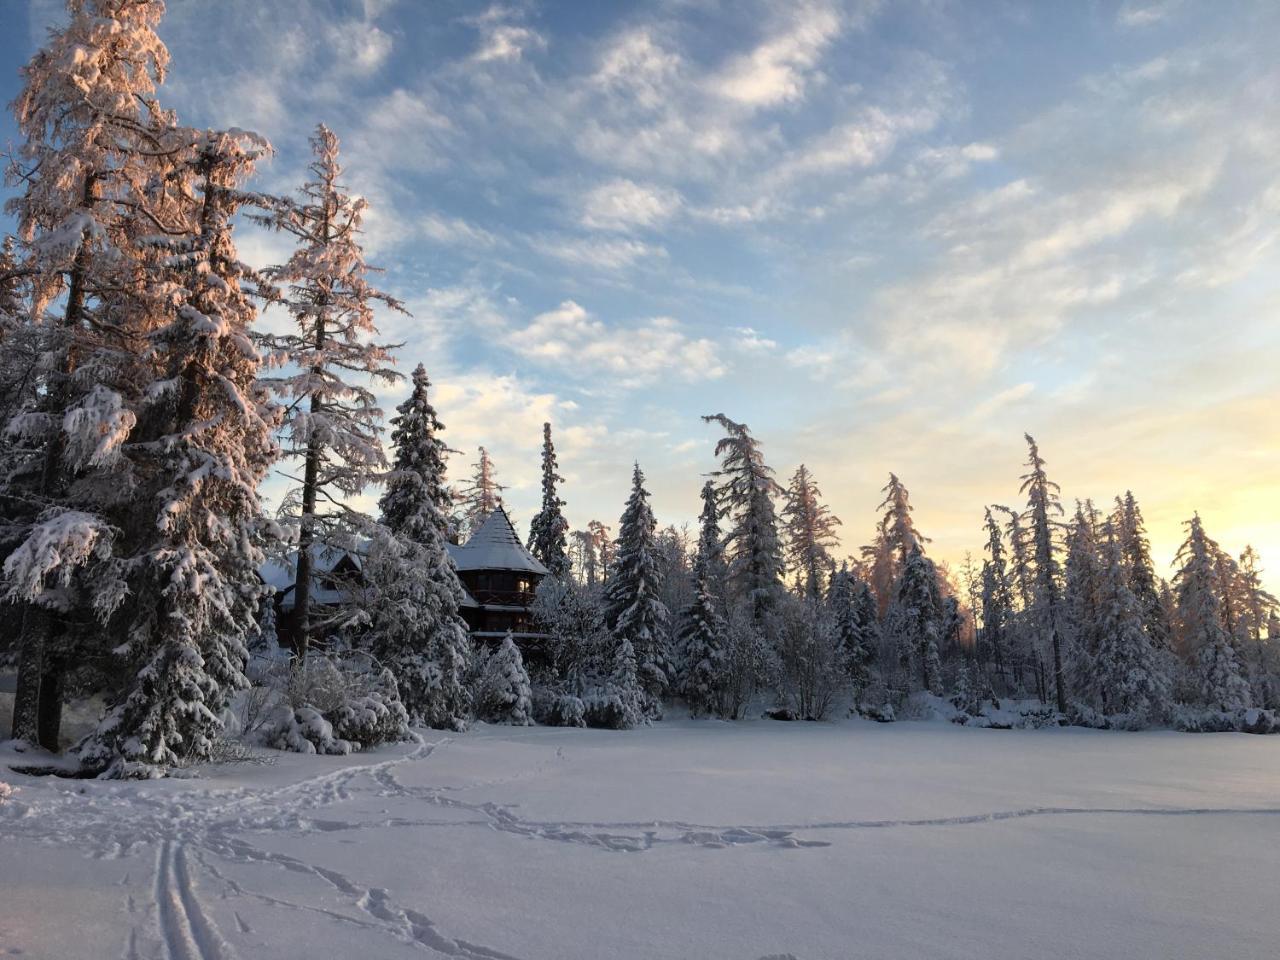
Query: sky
{"points": [[888, 236]]}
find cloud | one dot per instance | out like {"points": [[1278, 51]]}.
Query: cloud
{"points": [[621, 204], [749, 339], [779, 69], [585, 348], [1145, 13], [608, 255]]}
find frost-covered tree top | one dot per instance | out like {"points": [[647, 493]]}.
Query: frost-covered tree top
{"points": [[811, 531], [899, 525], [746, 490], [331, 354], [416, 493], [481, 495], [549, 529]]}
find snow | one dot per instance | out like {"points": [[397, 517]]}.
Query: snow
{"points": [[684, 839]]}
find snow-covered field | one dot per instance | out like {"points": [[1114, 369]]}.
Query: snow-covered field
{"points": [[686, 840]]}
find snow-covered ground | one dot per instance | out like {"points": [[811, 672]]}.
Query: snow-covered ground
{"points": [[686, 840]]}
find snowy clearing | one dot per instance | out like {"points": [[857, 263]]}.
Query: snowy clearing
{"points": [[747, 840]]}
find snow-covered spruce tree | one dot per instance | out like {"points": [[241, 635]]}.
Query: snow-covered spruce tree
{"points": [[1136, 549], [481, 495], [703, 632], [548, 528], [416, 495], [1127, 676], [745, 494], [333, 423], [1081, 598], [849, 606], [996, 601], [505, 696], [1259, 608], [415, 628], [91, 179], [810, 532], [1042, 505], [624, 706], [899, 526], [634, 612], [193, 532], [916, 621], [1202, 636]]}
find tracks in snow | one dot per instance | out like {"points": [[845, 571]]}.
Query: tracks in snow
{"points": [[202, 832], [186, 932]]}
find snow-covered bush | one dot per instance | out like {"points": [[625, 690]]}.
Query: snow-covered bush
{"points": [[329, 706], [504, 695], [565, 710]]}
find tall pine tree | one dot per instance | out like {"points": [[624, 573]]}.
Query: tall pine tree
{"points": [[416, 630], [481, 495], [203, 444], [548, 529], [810, 529], [746, 493], [1203, 638], [703, 632], [333, 424], [634, 610], [1042, 507]]}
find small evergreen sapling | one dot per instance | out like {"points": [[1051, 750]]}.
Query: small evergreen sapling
{"points": [[505, 695]]}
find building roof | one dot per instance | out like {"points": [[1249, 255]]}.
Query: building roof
{"points": [[495, 546]]}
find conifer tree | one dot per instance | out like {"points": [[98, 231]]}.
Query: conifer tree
{"points": [[625, 691], [746, 496], [203, 444], [505, 693], [634, 610], [996, 599], [1260, 607], [1203, 636], [810, 529], [1127, 675], [416, 630], [333, 423], [853, 636], [547, 530], [481, 495], [417, 475], [899, 526], [916, 620], [92, 179], [703, 632], [1042, 505], [1136, 548], [1081, 593]]}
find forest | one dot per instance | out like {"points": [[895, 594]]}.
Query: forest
{"points": [[143, 404]]}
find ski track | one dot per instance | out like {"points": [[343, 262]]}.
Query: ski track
{"points": [[113, 821]]}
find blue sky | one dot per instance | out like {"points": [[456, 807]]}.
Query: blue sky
{"points": [[888, 236]]}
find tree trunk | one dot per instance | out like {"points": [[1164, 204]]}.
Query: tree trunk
{"points": [[49, 714], [26, 700]]}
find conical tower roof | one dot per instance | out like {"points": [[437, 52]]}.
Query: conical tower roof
{"points": [[495, 546]]}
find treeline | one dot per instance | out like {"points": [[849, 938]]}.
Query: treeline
{"points": [[1068, 612]]}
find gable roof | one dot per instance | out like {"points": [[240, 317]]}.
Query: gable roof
{"points": [[495, 546]]}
